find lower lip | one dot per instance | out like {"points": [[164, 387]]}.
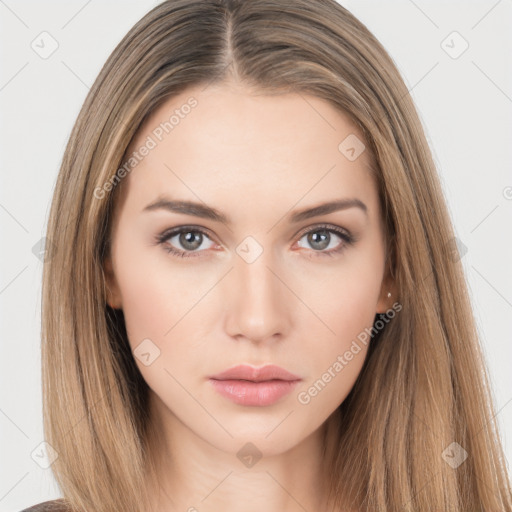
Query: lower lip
{"points": [[244, 392]]}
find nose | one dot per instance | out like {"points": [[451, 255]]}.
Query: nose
{"points": [[259, 304]]}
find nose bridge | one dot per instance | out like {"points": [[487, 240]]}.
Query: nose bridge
{"points": [[259, 306]]}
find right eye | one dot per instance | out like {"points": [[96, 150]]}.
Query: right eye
{"points": [[189, 238]]}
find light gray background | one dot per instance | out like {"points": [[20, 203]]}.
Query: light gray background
{"points": [[465, 105]]}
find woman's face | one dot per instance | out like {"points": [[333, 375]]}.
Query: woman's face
{"points": [[257, 276]]}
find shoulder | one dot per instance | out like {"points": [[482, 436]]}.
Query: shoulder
{"points": [[48, 506]]}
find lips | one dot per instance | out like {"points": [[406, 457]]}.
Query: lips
{"points": [[250, 386], [251, 373]]}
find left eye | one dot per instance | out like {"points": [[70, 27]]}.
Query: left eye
{"points": [[321, 239]]}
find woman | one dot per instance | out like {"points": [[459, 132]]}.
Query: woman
{"points": [[253, 299]]}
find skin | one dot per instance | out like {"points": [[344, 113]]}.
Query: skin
{"points": [[256, 158]]}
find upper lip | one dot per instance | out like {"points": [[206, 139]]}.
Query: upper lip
{"points": [[248, 372]]}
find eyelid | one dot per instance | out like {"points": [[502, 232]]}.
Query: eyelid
{"points": [[185, 227], [326, 226]]}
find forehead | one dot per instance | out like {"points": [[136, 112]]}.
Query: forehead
{"points": [[225, 142]]}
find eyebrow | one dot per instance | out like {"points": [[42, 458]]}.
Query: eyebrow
{"points": [[207, 212]]}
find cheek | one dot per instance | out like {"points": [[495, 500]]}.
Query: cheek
{"points": [[155, 313], [336, 358], [166, 310], [145, 308], [153, 298], [346, 301], [345, 308], [354, 310]]}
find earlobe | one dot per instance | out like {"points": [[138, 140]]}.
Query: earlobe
{"points": [[113, 297], [388, 291], [383, 304], [387, 296]]}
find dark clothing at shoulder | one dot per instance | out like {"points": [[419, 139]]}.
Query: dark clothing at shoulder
{"points": [[48, 506]]}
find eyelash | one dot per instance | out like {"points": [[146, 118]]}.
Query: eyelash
{"points": [[162, 238]]}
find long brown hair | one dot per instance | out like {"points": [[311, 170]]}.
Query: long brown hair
{"points": [[423, 394]]}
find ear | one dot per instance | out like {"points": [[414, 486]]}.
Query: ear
{"points": [[385, 302], [388, 287], [113, 292]]}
